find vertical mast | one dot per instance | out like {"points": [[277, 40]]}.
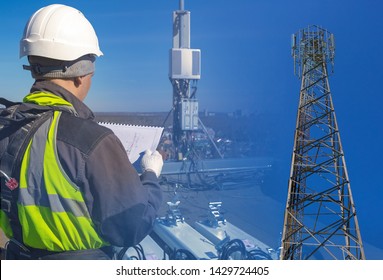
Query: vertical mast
{"points": [[184, 72], [320, 218]]}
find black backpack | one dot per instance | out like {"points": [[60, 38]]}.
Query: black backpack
{"points": [[18, 123]]}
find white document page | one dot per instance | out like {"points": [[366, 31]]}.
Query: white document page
{"points": [[136, 139]]}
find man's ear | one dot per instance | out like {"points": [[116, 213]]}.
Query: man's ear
{"points": [[77, 81]]}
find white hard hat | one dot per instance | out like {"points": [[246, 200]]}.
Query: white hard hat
{"points": [[59, 32]]}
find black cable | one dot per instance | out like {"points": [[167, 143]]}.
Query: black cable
{"points": [[167, 116], [258, 254], [139, 250], [229, 248], [182, 254], [121, 253]]}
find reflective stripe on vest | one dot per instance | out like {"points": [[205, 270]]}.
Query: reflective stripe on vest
{"points": [[51, 208], [4, 224]]}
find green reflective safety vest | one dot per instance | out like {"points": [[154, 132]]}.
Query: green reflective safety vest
{"points": [[52, 210]]}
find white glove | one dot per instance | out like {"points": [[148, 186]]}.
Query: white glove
{"points": [[152, 162]]}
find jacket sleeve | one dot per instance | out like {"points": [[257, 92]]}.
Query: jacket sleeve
{"points": [[123, 205]]}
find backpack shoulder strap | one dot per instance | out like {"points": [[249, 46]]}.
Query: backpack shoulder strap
{"points": [[6, 102], [18, 123]]}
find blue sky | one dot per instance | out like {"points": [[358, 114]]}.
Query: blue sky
{"points": [[246, 64]]}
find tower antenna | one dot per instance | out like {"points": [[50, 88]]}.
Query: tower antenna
{"points": [[184, 73], [320, 218]]}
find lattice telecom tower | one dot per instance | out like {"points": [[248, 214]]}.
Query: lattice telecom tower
{"points": [[320, 218]]}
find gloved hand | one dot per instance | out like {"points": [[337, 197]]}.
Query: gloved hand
{"points": [[152, 162]]}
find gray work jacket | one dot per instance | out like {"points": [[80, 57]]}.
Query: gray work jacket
{"points": [[122, 204]]}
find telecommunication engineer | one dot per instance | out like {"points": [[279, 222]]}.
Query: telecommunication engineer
{"points": [[78, 193]]}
